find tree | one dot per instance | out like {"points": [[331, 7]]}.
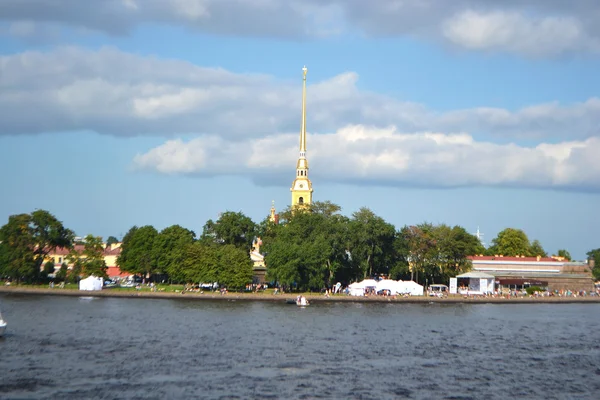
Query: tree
{"points": [[231, 228], [93, 257], [48, 268], [169, 251], [61, 275], [419, 242], [29, 238], [372, 242], [510, 242], [297, 256], [595, 255], [536, 249], [111, 240], [137, 255], [565, 254], [228, 265], [48, 233]]}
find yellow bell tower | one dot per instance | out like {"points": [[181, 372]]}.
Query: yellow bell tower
{"points": [[302, 187]]}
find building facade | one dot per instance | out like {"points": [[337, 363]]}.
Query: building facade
{"points": [[555, 273], [60, 254]]}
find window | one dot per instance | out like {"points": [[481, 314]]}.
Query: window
{"points": [[301, 200]]}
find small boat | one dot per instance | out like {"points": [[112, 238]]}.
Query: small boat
{"points": [[2, 325], [301, 301]]}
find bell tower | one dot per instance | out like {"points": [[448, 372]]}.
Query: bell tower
{"points": [[302, 186]]}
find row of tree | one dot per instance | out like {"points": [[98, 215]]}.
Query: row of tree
{"points": [[309, 249]]}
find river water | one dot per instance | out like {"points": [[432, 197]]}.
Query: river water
{"points": [[110, 348]]}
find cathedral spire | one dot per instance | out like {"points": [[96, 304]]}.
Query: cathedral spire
{"points": [[303, 128], [302, 187]]}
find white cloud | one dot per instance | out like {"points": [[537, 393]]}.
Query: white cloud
{"points": [[532, 28], [364, 155], [73, 89], [514, 32]]}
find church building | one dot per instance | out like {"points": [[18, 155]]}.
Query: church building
{"points": [[302, 186]]}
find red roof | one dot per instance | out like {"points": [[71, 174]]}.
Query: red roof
{"points": [[116, 271], [505, 258]]}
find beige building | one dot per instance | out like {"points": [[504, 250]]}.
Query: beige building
{"points": [[555, 273]]}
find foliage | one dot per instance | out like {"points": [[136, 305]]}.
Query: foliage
{"points": [[532, 289], [61, 274], [510, 242], [27, 239], [49, 268], [137, 255], [297, 255], [595, 255], [169, 251], [93, 257], [231, 228], [111, 240], [536, 249], [372, 242], [564, 253], [226, 264]]}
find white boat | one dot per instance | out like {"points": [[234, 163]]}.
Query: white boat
{"points": [[301, 301], [2, 325]]}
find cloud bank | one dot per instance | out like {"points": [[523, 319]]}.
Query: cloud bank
{"points": [[74, 89], [359, 154], [534, 28]]}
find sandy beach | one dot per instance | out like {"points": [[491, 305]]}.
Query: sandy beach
{"points": [[314, 298]]}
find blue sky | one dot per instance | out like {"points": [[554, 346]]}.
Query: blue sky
{"points": [[116, 113]]}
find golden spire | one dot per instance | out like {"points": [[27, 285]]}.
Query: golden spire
{"points": [[303, 129]]}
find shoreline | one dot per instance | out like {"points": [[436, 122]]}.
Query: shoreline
{"points": [[313, 298]]}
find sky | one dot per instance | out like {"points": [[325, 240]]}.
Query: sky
{"points": [[477, 113]]}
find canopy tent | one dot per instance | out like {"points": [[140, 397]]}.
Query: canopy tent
{"points": [[394, 287], [410, 287], [387, 284], [478, 283], [356, 289], [91, 283]]}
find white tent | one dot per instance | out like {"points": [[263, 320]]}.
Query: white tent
{"points": [[478, 283], [356, 289], [91, 283], [410, 287], [387, 284]]}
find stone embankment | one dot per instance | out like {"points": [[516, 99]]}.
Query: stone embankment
{"points": [[314, 298]]}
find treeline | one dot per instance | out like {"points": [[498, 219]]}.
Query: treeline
{"points": [[309, 249]]}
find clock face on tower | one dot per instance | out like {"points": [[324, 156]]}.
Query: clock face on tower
{"points": [[301, 185]]}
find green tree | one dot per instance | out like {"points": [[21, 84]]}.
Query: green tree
{"points": [[231, 228], [536, 249], [111, 240], [226, 264], [48, 268], [137, 254], [48, 234], [61, 275], [420, 243], [297, 255], [510, 242], [93, 257], [564, 253], [595, 255], [76, 262], [372, 242], [28, 239], [169, 251]]}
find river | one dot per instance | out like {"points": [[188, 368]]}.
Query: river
{"points": [[111, 348]]}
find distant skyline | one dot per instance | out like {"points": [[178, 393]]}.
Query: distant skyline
{"points": [[476, 113]]}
